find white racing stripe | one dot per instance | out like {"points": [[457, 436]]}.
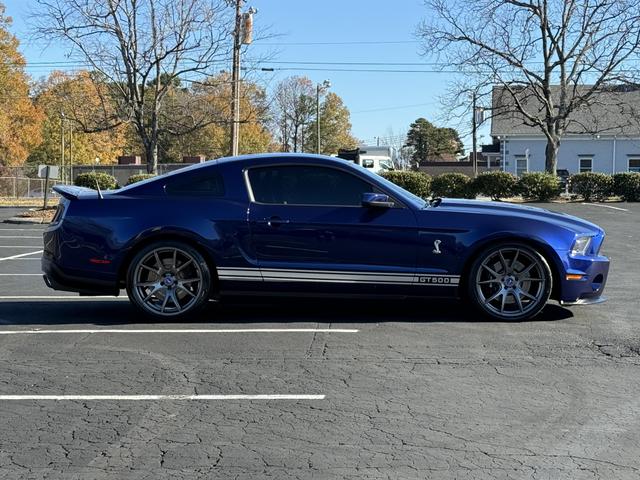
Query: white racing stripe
{"points": [[58, 297], [59, 398], [175, 330], [15, 257], [19, 246], [337, 276], [20, 236]]}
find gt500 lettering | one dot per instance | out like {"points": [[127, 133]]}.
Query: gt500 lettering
{"points": [[434, 280]]}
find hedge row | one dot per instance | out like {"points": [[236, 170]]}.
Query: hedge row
{"points": [[93, 179], [531, 186], [106, 181], [599, 186]]}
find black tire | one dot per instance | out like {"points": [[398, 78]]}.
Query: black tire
{"points": [[510, 281], [176, 287]]}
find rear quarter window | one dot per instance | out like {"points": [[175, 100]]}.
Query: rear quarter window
{"points": [[204, 185]]}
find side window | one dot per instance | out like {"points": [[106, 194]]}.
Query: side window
{"points": [[307, 185], [204, 185]]}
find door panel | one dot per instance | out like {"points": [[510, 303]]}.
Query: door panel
{"points": [[353, 247]]}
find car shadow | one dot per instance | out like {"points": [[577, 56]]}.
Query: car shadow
{"points": [[259, 310]]}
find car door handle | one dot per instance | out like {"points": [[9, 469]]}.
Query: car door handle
{"points": [[275, 222]]}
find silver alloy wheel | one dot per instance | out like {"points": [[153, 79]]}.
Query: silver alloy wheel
{"points": [[511, 282], [167, 281]]}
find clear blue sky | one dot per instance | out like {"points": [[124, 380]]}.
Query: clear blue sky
{"points": [[379, 102]]}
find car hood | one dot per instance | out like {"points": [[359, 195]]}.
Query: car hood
{"points": [[569, 222]]}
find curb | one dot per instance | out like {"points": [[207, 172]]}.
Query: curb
{"points": [[26, 220]]}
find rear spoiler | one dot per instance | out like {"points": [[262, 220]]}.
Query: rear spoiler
{"points": [[73, 193]]}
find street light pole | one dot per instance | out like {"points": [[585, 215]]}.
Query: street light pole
{"points": [[62, 143], [319, 88], [235, 79]]}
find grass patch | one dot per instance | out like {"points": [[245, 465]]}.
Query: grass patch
{"points": [[26, 202]]}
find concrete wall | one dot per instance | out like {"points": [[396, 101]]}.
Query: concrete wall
{"points": [[571, 150]]}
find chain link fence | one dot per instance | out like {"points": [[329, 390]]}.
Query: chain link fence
{"points": [[23, 182]]}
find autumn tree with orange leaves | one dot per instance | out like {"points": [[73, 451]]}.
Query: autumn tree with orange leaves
{"points": [[19, 118], [83, 102]]}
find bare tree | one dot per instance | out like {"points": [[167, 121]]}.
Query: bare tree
{"points": [[547, 59], [294, 105], [140, 50]]}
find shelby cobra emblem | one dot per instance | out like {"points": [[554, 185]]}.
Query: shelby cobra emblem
{"points": [[436, 246]]}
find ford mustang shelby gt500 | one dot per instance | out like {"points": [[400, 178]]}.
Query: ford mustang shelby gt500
{"points": [[313, 225]]}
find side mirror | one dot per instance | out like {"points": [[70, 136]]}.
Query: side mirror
{"points": [[376, 200]]}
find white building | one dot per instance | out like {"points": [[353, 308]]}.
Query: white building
{"points": [[601, 137]]}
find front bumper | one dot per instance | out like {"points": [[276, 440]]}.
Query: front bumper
{"points": [[57, 279], [587, 290]]}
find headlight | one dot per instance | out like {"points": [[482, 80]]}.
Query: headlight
{"points": [[580, 246]]}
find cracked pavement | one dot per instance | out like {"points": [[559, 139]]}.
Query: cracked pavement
{"points": [[425, 389]]}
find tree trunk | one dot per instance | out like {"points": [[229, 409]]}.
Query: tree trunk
{"points": [[151, 153], [551, 155]]}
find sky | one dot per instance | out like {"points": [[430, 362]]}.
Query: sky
{"points": [[346, 31]]}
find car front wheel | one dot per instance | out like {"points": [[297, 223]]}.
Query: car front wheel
{"points": [[168, 280], [510, 282]]}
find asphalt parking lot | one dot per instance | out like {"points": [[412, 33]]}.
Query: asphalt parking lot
{"points": [[346, 390]]}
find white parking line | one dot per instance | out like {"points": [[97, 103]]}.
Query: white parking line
{"points": [[605, 206], [183, 330], [19, 246], [14, 257], [20, 236], [21, 274], [160, 397]]}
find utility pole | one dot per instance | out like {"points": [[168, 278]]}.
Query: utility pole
{"points": [[242, 35], [235, 82], [319, 88], [474, 127]]}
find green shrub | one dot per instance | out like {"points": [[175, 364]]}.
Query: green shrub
{"points": [[418, 183], [627, 186], [496, 184], [139, 177], [591, 185], [89, 180], [452, 185], [539, 186]]}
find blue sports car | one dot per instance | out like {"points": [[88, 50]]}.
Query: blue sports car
{"points": [[294, 224]]}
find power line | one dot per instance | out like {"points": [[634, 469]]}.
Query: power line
{"points": [[363, 42]]}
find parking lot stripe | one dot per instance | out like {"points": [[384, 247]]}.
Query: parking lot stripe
{"points": [[18, 246], [605, 206], [160, 397], [14, 257], [183, 330], [21, 229], [20, 274]]}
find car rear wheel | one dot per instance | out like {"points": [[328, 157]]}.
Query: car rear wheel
{"points": [[510, 282], [168, 280]]}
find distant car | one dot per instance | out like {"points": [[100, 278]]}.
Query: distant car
{"points": [[297, 225], [563, 177]]}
